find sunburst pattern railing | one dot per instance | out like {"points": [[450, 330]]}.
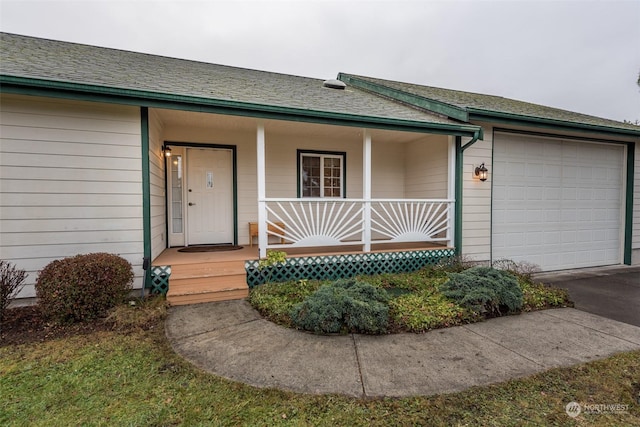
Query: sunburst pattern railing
{"points": [[410, 221], [334, 222]]}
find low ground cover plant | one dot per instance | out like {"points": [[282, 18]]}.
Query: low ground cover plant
{"points": [[425, 299], [83, 287], [343, 306]]}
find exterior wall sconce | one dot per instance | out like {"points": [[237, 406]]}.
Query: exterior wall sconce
{"points": [[481, 172], [166, 151]]}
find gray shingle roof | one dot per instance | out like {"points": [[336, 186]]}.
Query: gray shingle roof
{"points": [[36, 58], [475, 102]]}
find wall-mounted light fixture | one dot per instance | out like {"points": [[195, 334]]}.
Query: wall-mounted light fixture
{"points": [[481, 172], [166, 151]]}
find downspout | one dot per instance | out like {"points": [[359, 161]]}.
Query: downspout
{"points": [[459, 174]]}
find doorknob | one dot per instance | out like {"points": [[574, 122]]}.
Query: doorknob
{"points": [[191, 204]]}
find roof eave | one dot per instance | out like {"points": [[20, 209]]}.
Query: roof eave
{"points": [[476, 114], [90, 92]]}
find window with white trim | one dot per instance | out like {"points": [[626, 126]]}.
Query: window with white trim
{"points": [[321, 174]]}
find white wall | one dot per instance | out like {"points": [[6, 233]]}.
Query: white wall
{"points": [[426, 166], [70, 182], [476, 206], [157, 185]]}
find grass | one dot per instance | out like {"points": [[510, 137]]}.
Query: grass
{"points": [[130, 376], [417, 304]]}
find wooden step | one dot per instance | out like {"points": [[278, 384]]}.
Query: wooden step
{"points": [[207, 289], [207, 269]]}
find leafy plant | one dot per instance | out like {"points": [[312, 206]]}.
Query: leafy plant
{"points": [[11, 283], [484, 290], [344, 305], [83, 287], [268, 265], [537, 296], [275, 300], [420, 312]]}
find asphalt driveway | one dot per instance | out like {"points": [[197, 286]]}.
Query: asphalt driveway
{"points": [[612, 292]]}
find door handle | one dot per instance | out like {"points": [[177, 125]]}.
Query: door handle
{"points": [[191, 204]]}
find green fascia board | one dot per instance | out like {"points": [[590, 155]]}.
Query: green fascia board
{"points": [[438, 107], [39, 87], [522, 120], [628, 209]]}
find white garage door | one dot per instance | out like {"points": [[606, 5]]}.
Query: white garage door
{"points": [[557, 203]]}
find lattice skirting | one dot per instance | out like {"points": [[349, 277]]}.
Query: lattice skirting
{"points": [[160, 279], [331, 267]]}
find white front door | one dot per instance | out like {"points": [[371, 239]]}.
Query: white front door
{"points": [[209, 196]]}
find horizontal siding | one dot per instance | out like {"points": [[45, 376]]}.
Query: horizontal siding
{"points": [[476, 206], [157, 186], [426, 166], [70, 182]]}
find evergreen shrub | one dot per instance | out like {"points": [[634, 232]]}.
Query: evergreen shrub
{"points": [[83, 287], [484, 290], [344, 306]]}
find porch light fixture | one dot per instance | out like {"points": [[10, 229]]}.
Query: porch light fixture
{"points": [[166, 150], [481, 172]]}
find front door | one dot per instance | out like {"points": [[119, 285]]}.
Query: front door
{"points": [[209, 196]]}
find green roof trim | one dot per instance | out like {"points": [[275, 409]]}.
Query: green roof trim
{"points": [[519, 119], [41, 87], [490, 108], [432, 105]]}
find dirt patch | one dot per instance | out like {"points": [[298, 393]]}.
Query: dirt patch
{"points": [[25, 325]]}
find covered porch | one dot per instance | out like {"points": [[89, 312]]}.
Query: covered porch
{"points": [[308, 189]]}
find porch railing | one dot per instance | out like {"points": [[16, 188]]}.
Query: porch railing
{"points": [[335, 222]]}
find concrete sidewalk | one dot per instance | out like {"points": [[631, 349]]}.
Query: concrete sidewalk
{"points": [[232, 340]]}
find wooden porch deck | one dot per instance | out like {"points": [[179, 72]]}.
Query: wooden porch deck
{"points": [[198, 277]]}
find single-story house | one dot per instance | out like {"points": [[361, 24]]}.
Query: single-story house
{"points": [[352, 162]]}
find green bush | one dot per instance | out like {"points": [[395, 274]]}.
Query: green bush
{"points": [[11, 282], [83, 287], [484, 290], [345, 305]]}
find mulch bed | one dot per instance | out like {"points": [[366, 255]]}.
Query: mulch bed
{"points": [[25, 325]]}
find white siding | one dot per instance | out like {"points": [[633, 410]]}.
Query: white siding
{"points": [[70, 182], [476, 206], [157, 186], [426, 166]]}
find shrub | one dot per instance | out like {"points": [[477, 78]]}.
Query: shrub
{"points": [[522, 269], [484, 290], [11, 282], [344, 305], [83, 287]]}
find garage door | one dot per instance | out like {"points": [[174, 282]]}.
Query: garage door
{"points": [[557, 203]]}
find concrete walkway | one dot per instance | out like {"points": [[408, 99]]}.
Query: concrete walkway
{"points": [[231, 340]]}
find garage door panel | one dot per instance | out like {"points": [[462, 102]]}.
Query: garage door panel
{"points": [[558, 204]]}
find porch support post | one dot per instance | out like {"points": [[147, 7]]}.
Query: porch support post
{"points": [[366, 189], [451, 192], [262, 192]]}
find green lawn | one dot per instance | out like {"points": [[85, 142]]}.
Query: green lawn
{"points": [[130, 376]]}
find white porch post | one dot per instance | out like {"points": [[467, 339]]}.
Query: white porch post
{"points": [[451, 191], [366, 189], [262, 193]]}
